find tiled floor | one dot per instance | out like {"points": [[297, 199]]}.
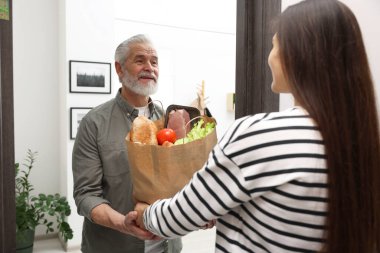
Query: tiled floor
{"points": [[201, 241]]}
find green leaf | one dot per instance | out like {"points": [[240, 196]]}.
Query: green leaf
{"points": [[31, 210], [197, 132]]}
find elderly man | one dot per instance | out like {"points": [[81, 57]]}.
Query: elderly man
{"points": [[102, 181]]}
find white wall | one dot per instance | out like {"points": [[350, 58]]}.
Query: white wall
{"points": [[368, 15], [35, 56], [193, 43], [87, 35]]}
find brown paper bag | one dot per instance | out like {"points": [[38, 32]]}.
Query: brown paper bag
{"points": [[160, 172]]}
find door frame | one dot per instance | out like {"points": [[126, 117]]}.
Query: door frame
{"points": [[253, 92], [7, 168]]}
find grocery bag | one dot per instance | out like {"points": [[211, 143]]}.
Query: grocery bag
{"points": [[159, 172]]}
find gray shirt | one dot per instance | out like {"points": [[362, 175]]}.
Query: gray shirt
{"points": [[101, 172]]}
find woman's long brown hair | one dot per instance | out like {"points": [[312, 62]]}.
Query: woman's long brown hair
{"points": [[325, 61]]}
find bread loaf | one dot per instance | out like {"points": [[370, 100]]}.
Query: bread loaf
{"points": [[143, 131]]}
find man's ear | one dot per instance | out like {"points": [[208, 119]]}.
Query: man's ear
{"points": [[119, 69]]}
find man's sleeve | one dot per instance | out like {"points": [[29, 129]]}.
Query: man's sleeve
{"points": [[87, 169]]}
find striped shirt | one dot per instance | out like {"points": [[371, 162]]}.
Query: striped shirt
{"points": [[266, 184]]}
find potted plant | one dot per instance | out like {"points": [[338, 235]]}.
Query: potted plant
{"points": [[32, 211]]}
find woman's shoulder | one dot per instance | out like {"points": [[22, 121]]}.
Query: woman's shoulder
{"points": [[291, 115], [295, 117]]}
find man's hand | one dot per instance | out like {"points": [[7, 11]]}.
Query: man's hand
{"points": [[131, 227], [104, 215]]}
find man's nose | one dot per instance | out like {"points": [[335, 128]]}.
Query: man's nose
{"points": [[148, 66]]}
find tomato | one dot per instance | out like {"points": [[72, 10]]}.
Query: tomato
{"points": [[166, 134]]}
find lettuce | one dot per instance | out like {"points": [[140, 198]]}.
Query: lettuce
{"points": [[197, 132]]}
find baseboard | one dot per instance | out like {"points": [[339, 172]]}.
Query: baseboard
{"points": [[75, 248], [66, 248], [46, 236]]}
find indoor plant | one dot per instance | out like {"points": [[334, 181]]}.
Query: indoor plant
{"points": [[32, 211]]}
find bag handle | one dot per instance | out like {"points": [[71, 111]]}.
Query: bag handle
{"points": [[197, 117], [152, 102]]}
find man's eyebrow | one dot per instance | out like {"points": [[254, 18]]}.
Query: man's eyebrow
{"points": [[139, 56], [143, 56]]}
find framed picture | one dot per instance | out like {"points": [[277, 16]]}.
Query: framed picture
{"points": [[90, 77], [76, 116]]}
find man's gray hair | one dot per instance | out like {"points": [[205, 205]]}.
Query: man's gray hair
{"points": [[122, 50]]}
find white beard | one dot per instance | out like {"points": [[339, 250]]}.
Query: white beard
{"points": [[134, 85]]}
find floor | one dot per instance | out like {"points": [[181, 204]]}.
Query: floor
{"points": [[52, 245], [201, 241]]}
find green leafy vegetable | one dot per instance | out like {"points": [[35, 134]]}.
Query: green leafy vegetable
{"points": [[199, 131]]}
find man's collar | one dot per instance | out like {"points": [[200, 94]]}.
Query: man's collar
{"points": [[123, 103]]}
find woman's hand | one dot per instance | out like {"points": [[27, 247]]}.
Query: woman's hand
{"points": [[140, 208], [209, 225], [131, 227]]}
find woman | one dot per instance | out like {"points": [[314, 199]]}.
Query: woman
{"points": [[305, 179]]}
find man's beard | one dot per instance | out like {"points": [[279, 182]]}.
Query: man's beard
{"points": [[142, 89]]}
